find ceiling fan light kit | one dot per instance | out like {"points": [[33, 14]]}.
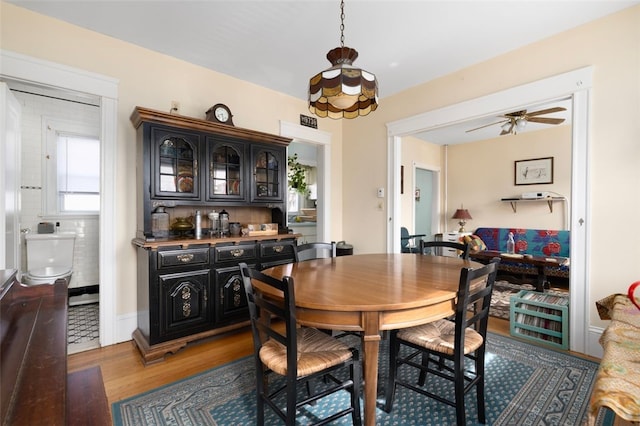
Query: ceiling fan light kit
{"points": [[343, 91]]}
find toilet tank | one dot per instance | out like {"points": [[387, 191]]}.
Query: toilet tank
{"points": [[45, 250]]}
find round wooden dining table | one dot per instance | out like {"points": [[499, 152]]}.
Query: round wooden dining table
{"points": [[371, 293]]}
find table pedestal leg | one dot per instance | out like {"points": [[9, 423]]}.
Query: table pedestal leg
{"points": [[370, 347]]}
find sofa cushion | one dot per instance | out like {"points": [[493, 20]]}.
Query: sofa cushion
{"points": [[474, 242]]}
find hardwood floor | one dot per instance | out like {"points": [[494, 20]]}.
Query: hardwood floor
{"points": [[124, 374]]}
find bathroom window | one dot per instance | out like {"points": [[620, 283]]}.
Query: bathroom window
{"points": [[78, 169], [72, 169]]}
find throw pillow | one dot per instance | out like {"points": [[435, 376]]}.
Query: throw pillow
{"points": [[475, 243]]}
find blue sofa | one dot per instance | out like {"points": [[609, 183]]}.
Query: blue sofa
{"points": [[537, 242]]}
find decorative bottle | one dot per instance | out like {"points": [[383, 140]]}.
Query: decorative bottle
{"points": [[213, 223], [511, 244], [198, 224], [160, 223], [224, 223]]}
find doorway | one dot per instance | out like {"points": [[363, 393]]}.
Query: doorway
{"points": [[64, 79], [59, 185], [575, 85], [321, 141], [425, 199]]}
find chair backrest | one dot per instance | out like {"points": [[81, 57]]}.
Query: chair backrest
{"points": [[404, 237], [263, 308], [474, 300], [428, 247], [316, 250], [405, 240]]}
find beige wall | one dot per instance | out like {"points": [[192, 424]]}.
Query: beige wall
{"points": [[152, 80], [482, 173], [612, 46], [478, 175], [359, 153]]}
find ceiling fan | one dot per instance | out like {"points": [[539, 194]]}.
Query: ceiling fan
{"points": [[516, 121]]}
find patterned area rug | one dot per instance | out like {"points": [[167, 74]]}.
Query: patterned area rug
{"points": [[525, 385]]}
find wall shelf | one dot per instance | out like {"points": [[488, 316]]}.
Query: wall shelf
{"points": [[515, 200]]}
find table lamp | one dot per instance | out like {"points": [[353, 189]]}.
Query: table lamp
{"points": [[462, 215]]}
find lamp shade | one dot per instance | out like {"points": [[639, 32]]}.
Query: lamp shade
{"points": [[462, 214], [343, 91]]}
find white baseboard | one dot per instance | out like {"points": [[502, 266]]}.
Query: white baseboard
{"points": [[593, 342], [125, 325]]}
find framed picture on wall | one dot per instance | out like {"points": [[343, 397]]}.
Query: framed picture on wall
{"points": [[534, 171]]}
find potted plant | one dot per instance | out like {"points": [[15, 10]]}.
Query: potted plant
{"points": [[296, 175]]}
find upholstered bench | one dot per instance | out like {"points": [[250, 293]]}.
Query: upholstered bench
{"points": [[536, 242]]}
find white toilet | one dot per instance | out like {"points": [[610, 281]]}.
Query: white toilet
{"points": [[49, 257]]}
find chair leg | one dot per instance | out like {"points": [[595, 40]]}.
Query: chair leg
{"points": [[423, 373], [259, 410], [291, 401], [480, 388], [459, 392], [356, 391], [394, 347], [261, 388]]}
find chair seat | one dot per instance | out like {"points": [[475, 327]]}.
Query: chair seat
{"points": [[439, 336], [316, 352]]}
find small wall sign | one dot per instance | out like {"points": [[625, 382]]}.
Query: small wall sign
{"points": [[307, 121]]}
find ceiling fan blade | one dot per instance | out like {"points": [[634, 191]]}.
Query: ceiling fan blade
{"points": [[546, 111], [545, 120], [487, 125]]}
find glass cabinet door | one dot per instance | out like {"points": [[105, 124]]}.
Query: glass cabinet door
{"points": [[268, 169], [176, 165], [226, 171]]}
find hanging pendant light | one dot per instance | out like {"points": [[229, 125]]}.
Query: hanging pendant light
{"points": [[343, 91]]}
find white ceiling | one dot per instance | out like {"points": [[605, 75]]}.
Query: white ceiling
{"points": [[281, 44]]}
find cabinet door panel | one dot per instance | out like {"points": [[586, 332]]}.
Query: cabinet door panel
{"points": [[268, 173], [174, 168], [231, 303], [225, 168], [184, 304]]}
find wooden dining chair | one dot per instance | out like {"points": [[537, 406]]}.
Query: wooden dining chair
{"points": [[317, 250], [430, 247], [297, 354], [457, 341]]}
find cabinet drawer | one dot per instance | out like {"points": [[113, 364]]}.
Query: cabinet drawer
{"points": [[239, 253], [173, 258], [277, 249]]}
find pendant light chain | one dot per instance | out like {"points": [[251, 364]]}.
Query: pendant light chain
{"points": [[342, 23]]}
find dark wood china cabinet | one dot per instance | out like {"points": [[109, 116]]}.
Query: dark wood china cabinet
{"points": [[190, 288]]}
